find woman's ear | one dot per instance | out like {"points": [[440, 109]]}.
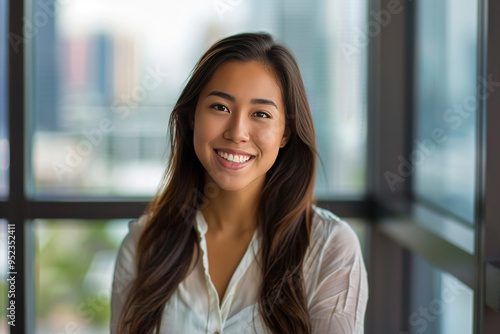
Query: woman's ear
{"points": [[285, 138]]}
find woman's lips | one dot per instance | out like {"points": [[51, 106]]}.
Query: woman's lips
{"points": [[232, 165]]}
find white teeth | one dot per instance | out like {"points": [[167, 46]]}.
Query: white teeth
{"points": [[234, 158]]}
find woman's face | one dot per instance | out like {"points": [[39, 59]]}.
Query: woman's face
{"points": [[240, 115]]}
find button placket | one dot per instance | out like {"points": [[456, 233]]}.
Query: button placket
{"points": [[214, 312]]}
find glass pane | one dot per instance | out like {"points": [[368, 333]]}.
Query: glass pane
{"points": [[325, 37], [440, 303], [4, 144], [444, 149], [105, 80], [74, 263], [3, 277]]}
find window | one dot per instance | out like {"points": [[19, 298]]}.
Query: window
{"points": [[433, 102], [440, 303], [444, 150], [74, 262], [105, 80], [446, 80]]}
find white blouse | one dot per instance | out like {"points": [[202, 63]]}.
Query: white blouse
{"points": [[334, 275]]}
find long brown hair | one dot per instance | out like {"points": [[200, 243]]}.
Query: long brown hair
{"points": [[169, 240]]}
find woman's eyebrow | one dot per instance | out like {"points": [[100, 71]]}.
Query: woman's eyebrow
{"points": [[232, 98], [223, 95], [264, 101]]}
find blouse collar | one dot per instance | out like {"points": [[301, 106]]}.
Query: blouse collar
{"points": [[202, 227], [201, 224]]}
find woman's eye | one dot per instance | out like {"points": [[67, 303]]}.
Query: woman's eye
{"points": [[262, 114], [220, 107]]}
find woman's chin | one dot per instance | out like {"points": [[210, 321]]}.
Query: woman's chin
{"points": [[231, 186]]}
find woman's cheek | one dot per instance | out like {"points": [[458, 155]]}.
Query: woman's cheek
{"points": [[267, 133], [204, 129], [271, 136]]}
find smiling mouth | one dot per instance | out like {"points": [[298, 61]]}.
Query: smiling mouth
{"points": [[235, 158]]}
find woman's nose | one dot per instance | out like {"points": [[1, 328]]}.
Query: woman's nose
{"points": [[237, 128]]}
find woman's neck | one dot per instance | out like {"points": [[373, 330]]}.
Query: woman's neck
{"points": [[232, 214]]}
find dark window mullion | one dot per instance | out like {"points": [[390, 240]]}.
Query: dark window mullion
{"points": [[488, 178], [85, 210], [389, 120], [479, 239], [126, 209], [16, 206]]}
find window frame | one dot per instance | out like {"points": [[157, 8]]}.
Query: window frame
{"points": [[395, 231]]}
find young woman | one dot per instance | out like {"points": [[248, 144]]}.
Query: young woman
{"points": [[233, 242]]}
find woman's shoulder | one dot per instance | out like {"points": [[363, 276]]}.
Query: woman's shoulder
{"points": [[330, 231], [137, 225], [326, 222], [135, 228], [335, 274]]}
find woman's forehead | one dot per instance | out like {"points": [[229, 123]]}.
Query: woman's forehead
{"points": [[245, 81]]}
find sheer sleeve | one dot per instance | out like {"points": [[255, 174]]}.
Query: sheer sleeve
{"points": [[124, 273], [339, 301]]}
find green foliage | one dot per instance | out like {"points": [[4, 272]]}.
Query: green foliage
{"points": [[67, 293]]}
